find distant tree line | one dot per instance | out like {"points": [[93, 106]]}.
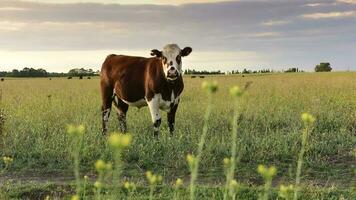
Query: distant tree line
{"points": [[204, 72], [244, 71], [247, 71], [80, 72], [25, 72], [31, 72]]}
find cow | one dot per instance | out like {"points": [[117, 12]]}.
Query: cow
{"points": [[155, 82]]}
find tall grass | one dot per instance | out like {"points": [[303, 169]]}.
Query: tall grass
{"points": [[268, 120], [120, 141]]}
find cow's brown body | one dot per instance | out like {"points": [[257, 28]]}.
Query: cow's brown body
{"points": [[128, 79], [135, 78]]}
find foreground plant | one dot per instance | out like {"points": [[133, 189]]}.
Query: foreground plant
{"points": [[153, 180], [267, 174], [233, 188], [8, 161], [308, 123], [230, 164], [102, 168], [118, 142], [130, 187], [210, 88], [286, 192], [98, 185], [177, 185], [227, 166], [75, 136], [75, 197], [86, 182]]}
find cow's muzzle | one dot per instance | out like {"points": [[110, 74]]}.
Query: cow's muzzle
{"points": [[172, 74]]}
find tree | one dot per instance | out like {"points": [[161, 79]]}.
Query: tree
{"points": [[245, 71], [323, 67], [81, 72], [15, 72], [292, 70]]}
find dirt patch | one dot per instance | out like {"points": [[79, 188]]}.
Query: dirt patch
{"points": [[58, 178]]}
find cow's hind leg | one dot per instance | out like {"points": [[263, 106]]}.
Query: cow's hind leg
{"points": [[121, 108], [107, 97]]}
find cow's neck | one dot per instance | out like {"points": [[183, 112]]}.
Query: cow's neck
{"points": [[172, 83], [169, 87]]}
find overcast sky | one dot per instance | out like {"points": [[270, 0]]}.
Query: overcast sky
{"points": [[61, 34]]}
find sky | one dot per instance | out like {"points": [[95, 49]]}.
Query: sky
{"points": [[58, 35]]}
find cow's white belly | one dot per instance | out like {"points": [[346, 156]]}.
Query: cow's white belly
{"points": [[140, 103], [166, 105], [162, 104]]}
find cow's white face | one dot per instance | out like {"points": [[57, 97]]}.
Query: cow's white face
{"points": [[171, 57]]}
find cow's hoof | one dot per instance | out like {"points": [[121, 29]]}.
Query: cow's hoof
{"points": [[104, 132], [156, 133], [123, 131]]}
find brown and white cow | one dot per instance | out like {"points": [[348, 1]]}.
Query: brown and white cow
{"points": [[137, 81]]}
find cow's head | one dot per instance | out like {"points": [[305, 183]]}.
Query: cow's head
{"points": [[171, 57]]}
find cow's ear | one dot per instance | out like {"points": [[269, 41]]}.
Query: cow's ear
{"points": [[157, 53], [186, 51]]}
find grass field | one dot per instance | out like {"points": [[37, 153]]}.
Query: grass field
{"points": [[37, 112]]}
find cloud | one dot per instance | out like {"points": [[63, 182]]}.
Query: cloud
{"points": [[330, 15], [12, 9], [275, 22], [11, 26], [347, 1], [264, 28], [124, 2], [313, 4], [180, 2], [266, 34]]}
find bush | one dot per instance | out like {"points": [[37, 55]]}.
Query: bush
{"points": [[323, 67]]}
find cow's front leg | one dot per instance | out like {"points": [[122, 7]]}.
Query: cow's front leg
{"points": [[153, 105], [171, 117]]}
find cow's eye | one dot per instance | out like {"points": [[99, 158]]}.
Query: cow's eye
{"points": [[179, 59], [164, 60]]}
